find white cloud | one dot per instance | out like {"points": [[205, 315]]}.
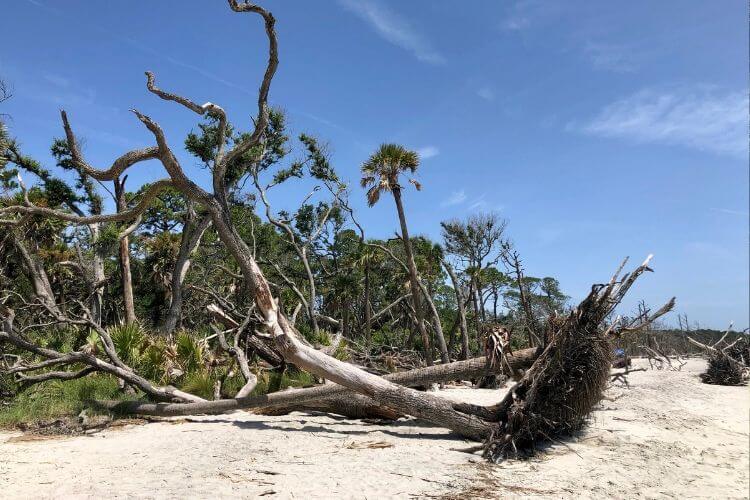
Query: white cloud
{"points": [[524, 14], [731, 212], [700, 118], [486, 93], [394, 29], [456, 198], [479, 205], [428, 152], [516, 23]]}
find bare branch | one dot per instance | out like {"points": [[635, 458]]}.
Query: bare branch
{"points": [[273, 62], [118, 167], [138, 209]]}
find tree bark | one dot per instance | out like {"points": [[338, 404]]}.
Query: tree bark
{"points": [[322, 395], [191, 238], [368, 310], [461, 311], [124, 255], [35, 272], [413, 276], [97, 264]]}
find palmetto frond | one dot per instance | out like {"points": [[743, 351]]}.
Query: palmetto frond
{"points": [[367, 180], [382, 169], [373, 195]]}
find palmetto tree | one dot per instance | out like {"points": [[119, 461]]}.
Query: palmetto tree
{"points": [[366, 260], [381, 173]]}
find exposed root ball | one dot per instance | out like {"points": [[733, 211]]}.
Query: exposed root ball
{"points": [[728, 367], [556, 395]]}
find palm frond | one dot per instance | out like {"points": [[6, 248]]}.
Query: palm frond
{"points": [[373, 195]]}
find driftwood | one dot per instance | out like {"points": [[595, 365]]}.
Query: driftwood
{"points": [[328, 397]]}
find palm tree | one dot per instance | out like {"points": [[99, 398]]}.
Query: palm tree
{"points": [[381, 173]]}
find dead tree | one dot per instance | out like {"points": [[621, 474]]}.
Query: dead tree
{"points": [[461, 310], [579, 338], [728, 363], [192, 232]]}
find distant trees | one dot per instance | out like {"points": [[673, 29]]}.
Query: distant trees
{"points": [[381, 173]]}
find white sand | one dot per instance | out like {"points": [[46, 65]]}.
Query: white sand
{"points": [[666, 436]]}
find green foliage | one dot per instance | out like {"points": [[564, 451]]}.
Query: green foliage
{"points": [[130, 342], [56, 399], [107, 241], [200, 383], [381, 172], [155, 361], [189, 352]]}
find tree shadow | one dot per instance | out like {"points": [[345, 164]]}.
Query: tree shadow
{"points": [[400, 428]]}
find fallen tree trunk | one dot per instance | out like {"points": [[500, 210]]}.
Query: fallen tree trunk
{"points": [[328, 397]]}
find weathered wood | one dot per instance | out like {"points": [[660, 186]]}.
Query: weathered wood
{"points": [[325, 397]]}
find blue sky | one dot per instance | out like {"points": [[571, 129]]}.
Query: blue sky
{"points": [[598, 129]]}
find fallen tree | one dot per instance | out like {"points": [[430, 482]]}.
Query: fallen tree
{"points": [[333, 398], [728, 364], [553, 396]]}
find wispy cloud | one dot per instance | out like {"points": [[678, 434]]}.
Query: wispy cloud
{"points": [[708, 250], [486, 93], [456, 198], [478, 205], [700, 118], [524, 14], [57, 80], [611, 57], [394, 29], [428, 152], [731, 212], [141, 48]]}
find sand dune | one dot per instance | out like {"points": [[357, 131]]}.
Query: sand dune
{"points": [[667, 435]]}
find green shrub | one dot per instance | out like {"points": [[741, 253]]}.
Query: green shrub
{"points": [[189, 352], [200, 383], [56, 399], [130, 341]]}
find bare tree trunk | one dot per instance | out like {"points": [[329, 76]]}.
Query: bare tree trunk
{"points": [[97, 264], [461, 311], [297, 398], [480, 298], [413, 277], [124, 253], [35, 272], [191, 238], [399, 398], [368, 310], [515, 263], [477, 319], [444, 355]]}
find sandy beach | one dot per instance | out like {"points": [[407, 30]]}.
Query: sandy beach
{"points": [[667, 435]]}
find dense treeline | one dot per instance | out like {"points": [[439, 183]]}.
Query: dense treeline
{"points": [[156, 283]]}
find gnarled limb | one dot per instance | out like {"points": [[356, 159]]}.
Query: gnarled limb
{"points": [[325, 394], [124, 215], [118, 166]]}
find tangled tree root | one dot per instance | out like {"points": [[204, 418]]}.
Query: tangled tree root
{"points": [[727, 366], [556, 395]]}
